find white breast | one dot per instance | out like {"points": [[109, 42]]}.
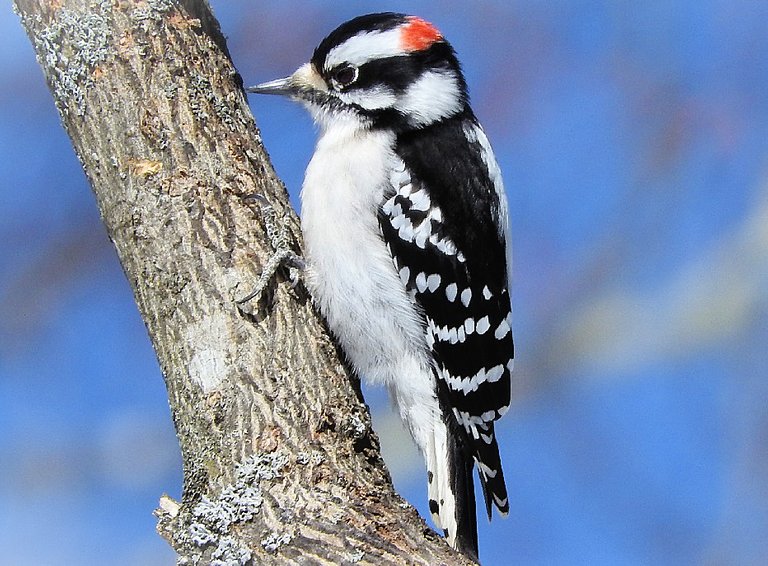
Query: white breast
{"points": [[351, 274]]}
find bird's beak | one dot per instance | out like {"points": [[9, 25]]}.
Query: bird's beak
{"points": [[279, 86], [305, 80]]}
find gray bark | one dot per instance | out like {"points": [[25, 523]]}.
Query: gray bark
{"points": [[280, 462]]}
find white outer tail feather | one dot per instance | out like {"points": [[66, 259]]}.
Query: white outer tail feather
{"points": [[441, 497]]}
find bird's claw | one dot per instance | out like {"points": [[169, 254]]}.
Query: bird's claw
{"points": [[279, 237]]}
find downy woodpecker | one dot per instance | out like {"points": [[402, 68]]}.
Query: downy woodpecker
{"points": [[405, 223]]}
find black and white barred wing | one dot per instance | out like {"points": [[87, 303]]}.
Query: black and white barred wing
{"points": [[466, 306]]}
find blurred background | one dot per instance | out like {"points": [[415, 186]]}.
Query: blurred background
{"points": [[633, 137]]}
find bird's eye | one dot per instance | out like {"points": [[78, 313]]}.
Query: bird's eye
{"points": [[344, 75]]}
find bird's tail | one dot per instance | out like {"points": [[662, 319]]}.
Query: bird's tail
{"points": [[451, 489], [488, 463]]}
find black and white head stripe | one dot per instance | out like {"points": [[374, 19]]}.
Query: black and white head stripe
{"points": [[373, 37], [395, 68], [449, 251], [365, 25]]}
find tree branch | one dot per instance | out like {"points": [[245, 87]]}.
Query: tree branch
{"points": [[280, 462]]}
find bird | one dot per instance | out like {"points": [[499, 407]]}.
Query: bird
{"points": [[407, 247]]}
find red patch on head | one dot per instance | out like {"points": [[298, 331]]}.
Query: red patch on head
{"points": [[418, 34]]}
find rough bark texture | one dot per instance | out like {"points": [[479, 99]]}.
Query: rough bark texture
{"points": [[280, 462]]}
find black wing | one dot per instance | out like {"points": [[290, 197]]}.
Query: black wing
{"points": [[442, 227]]}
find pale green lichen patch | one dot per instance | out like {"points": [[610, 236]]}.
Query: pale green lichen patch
{"points": [[237, 503], [203, 98], [71, 46], [151, 10], [275, 540], [355, 556], [75, 43], [314, 458], [229, 552]]}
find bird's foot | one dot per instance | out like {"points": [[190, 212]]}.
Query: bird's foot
{"points": [[279, 237]]}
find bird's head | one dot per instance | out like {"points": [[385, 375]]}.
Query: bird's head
{"points": [[378, 70]]}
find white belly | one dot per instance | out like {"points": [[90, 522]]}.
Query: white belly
{"points": [[352, 277]]}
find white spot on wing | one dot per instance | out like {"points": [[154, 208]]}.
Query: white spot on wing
{"points": [[495, 373], [450, 292], [398, 220], [406, 230], [406, 188], [467, 385], [421, 237], [502, 330], [433, 282], [422, 233], [466, 296], [420, 201], [445, 246], [483, 325], [421, 282]]}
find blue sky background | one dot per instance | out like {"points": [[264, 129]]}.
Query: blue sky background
{"points": [[634, 143]]}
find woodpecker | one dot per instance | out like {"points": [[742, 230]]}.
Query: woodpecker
{"points": [[405, 224]]}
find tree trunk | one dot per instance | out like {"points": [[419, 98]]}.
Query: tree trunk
{"points": [[280, 462]]}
